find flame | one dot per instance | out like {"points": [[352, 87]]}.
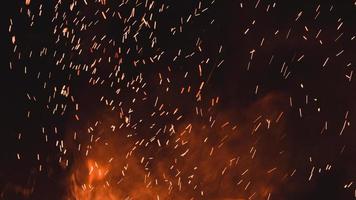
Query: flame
{"points": [[95, 186], [96, 171], [192, 160]]}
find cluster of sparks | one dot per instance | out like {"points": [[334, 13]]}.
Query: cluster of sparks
{"points": [[124, 96]]}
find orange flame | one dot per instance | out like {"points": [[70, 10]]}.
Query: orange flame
{"points": [[192, 161], [95, 186]]}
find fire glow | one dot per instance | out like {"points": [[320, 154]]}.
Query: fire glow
{"points": [[191, 161]]}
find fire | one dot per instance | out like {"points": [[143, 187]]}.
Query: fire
{"points": [[94, 185], [96, 171], [191, 160]]}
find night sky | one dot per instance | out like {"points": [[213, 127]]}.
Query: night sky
{"points": [[208, 99]]}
